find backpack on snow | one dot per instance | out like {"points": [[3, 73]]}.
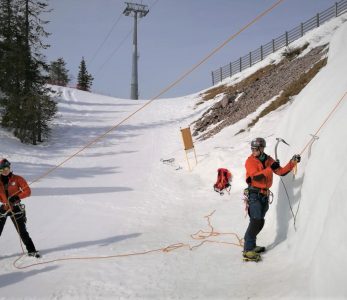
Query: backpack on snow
{"points": [[223, 181]]}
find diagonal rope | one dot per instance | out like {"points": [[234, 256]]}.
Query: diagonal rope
{"points": [[307, 145], [326, 120], [170, 86], [183, 76]]}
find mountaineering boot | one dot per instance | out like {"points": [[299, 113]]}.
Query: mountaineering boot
{"points": [[35, 254], [259, 249], [251, 256]]}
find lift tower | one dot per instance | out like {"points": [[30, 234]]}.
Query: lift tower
{"points": [[137, 11]]}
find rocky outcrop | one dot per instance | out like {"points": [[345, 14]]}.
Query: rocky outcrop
{"points": [[253, 91]]}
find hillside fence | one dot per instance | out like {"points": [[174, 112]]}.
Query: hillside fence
{"points": [[284, 40]]}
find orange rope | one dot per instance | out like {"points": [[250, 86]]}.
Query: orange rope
{"points": [[170, 86], [163, 91], [200, 235], [326, 120], [295, 169]]}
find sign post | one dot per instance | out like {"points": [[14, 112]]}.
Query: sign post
{"points": [[188, 144]]}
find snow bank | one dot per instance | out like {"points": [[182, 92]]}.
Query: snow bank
{"points": [[318, 190]]}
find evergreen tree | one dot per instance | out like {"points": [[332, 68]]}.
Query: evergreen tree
{"points": [[26, 105], [58, 74], [11, 62], [84, 79]]}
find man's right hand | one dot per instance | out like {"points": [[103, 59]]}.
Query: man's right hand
{"points": [[296, 158]]}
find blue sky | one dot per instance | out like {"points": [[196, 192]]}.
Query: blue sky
{"points": [[173, 37]]}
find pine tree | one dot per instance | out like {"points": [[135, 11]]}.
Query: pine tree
{"points": [[11, 62], [26, 105], [84, 79], [58, 74]]}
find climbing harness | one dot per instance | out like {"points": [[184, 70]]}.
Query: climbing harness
{"points": [[248, 190], [17, 215], [245, 199], [21, 213]]}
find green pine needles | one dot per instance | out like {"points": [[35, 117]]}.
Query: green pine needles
{"points": [[26, 107], [84, 79]]}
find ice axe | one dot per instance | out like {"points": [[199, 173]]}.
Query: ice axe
{"points": [[278, 141]]}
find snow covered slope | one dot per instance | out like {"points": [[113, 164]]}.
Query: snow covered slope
{"points": [[117, 197]]}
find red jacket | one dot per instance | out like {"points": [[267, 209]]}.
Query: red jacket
{"points": [[17, 185], [259, 175]]}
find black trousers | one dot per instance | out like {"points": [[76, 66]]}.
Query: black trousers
{"points": [[18, 219], [258, 206]]}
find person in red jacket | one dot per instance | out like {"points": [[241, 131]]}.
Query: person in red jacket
{"points": [[13, 189], [259, 172]]}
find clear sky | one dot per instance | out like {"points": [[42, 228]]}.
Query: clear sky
{"points": [[173, 37]]}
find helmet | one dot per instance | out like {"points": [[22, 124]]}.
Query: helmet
{"points": [[4, 163], [258, 142]]}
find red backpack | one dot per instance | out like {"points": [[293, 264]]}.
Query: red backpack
{"points": [[223, 181]]}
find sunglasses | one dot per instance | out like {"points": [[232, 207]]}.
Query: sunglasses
{"points": [[255, 149], [4, 169]]}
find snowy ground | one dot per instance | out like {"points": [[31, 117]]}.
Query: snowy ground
{"points": [[117, 197]]}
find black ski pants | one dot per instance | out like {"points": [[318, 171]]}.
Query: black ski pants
{"points": [[18, 218], [258, 206]]}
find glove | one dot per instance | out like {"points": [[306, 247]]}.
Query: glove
{"points": [[275, 165], [296, 158], [14, 199]]}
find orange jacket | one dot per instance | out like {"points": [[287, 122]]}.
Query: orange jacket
{"points": [[17, 185], [259, 175]]}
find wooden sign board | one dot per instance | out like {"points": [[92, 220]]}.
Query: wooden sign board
{"points": [[188, 143], [187, 138]]}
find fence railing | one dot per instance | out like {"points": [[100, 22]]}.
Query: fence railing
{"points": [[284, 40]]}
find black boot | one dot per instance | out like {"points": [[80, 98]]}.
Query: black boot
{"points": [[35, 254], [259, 249]]}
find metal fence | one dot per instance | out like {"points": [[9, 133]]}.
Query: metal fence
{"points": [[284, 40]]}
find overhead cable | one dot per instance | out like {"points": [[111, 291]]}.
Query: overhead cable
{"points": [[105, 39], [163, 91], [119, 45]]}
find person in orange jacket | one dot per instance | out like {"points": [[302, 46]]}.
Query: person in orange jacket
{"points": [[259, 173], [13, 189]]}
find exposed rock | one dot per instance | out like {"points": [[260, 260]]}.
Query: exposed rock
{"points": [[253, 92], [226, 100]]}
